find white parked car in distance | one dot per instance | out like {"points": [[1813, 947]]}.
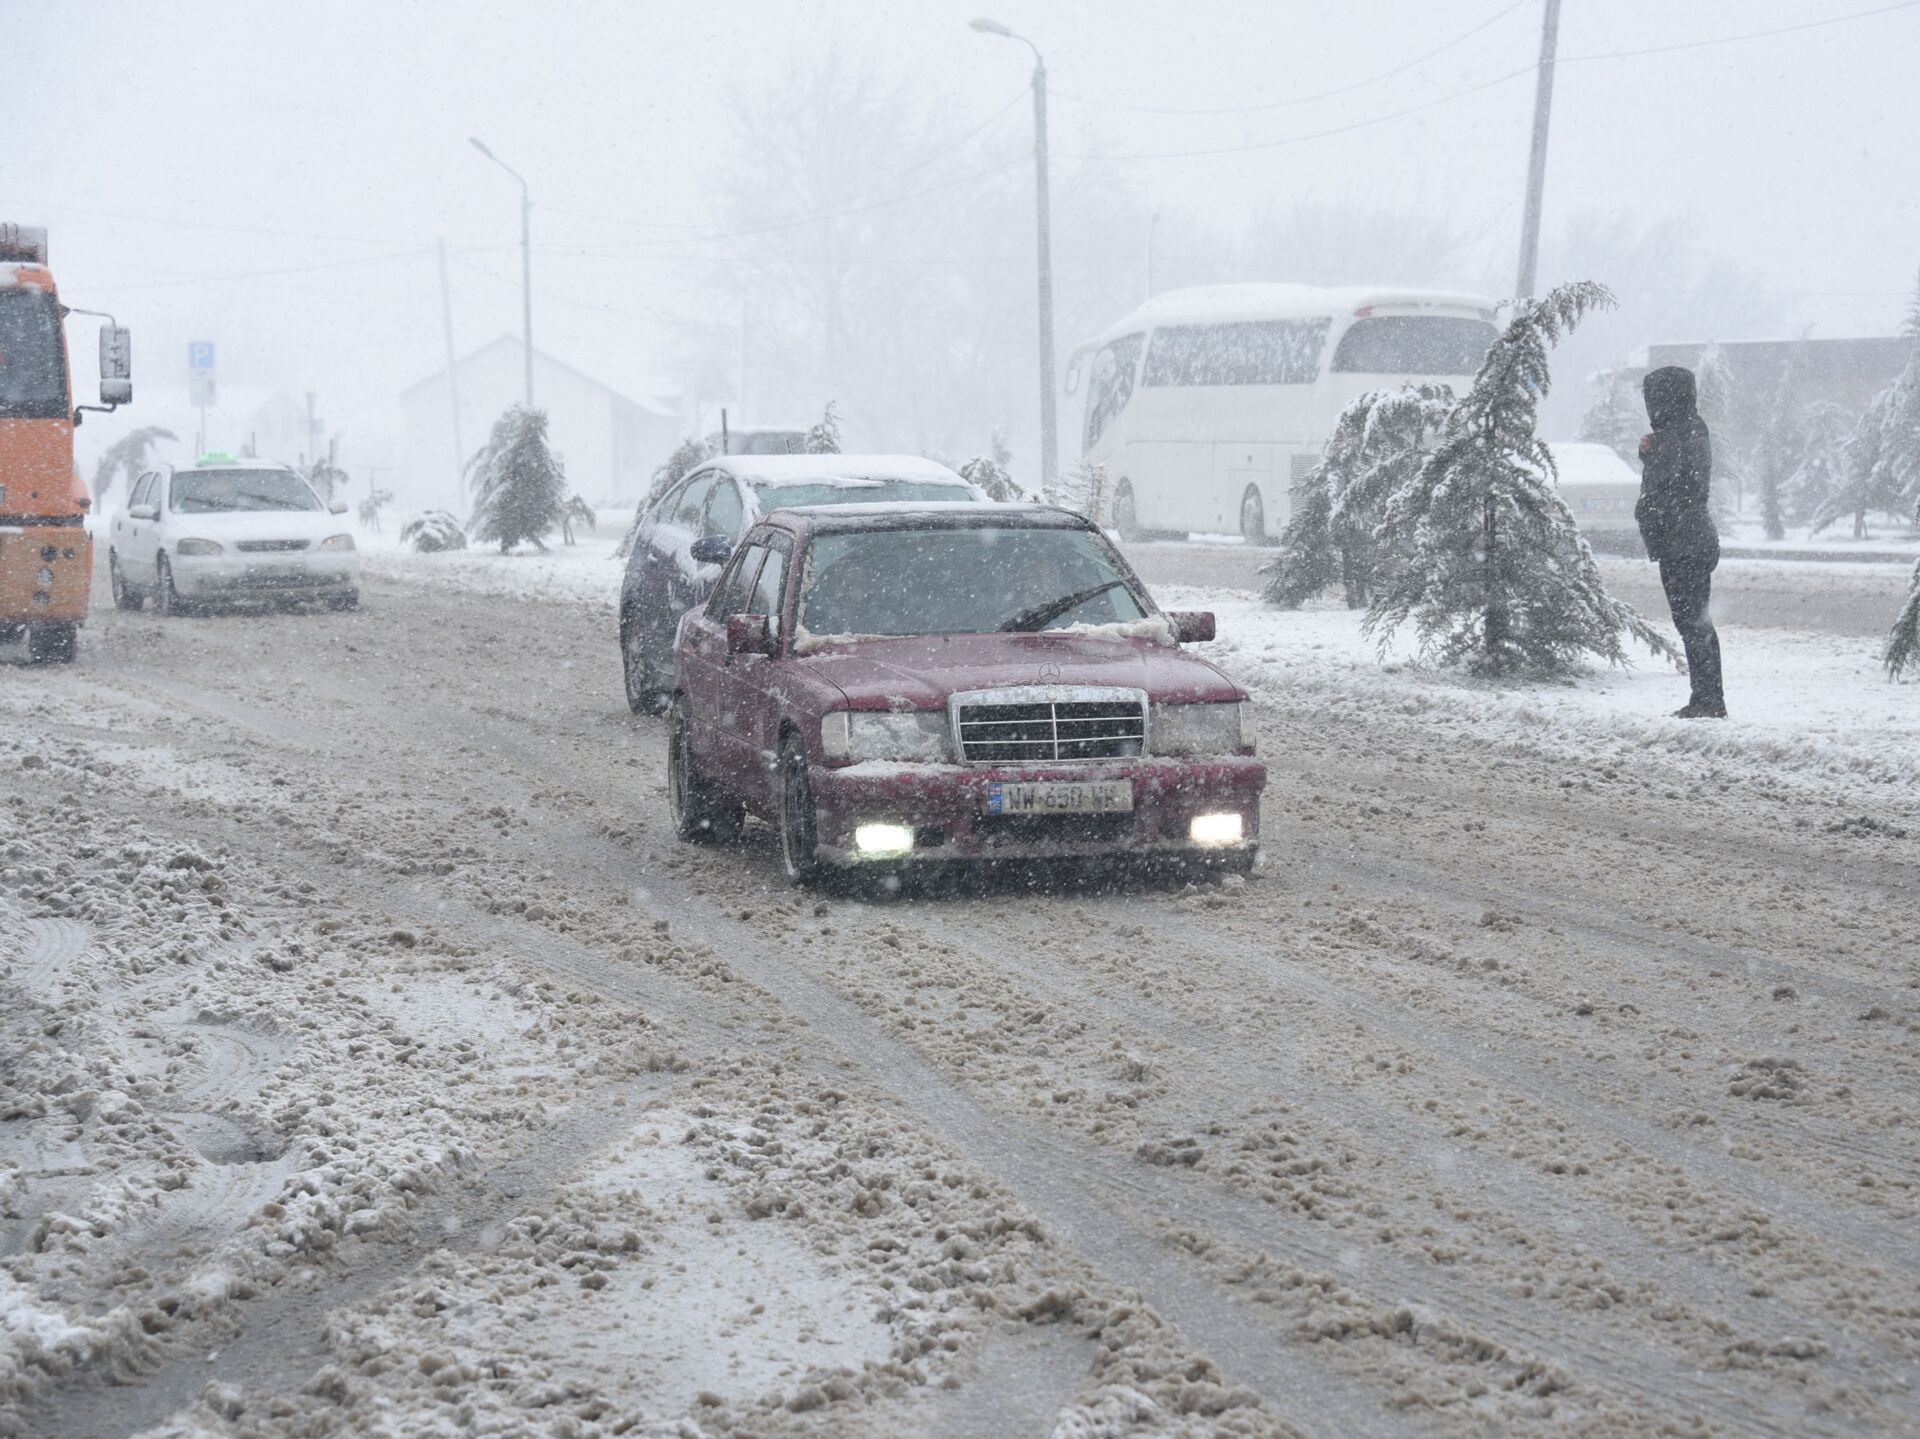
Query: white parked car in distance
{"points": [[226, 529]]}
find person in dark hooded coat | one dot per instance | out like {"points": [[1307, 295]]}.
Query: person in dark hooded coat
{"points": [[1676, 520]]}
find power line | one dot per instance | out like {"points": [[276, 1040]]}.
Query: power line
{"points": [[258, 274], [593, 305], [1736, 39], [1297, 99], [18, 206]]}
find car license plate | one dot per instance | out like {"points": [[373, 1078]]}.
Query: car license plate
{"points": [[1108, 796]]}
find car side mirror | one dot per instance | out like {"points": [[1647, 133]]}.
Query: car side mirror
{"points": [[748, 635], [116, 365], [711, 550], [142, 512], [1191, 627], [338, 507]]}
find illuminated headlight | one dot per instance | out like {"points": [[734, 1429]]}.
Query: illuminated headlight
{"points": [[1215, 829], [883, 839], [1201, 728], [197, 547], [337, 542], [915, 737]]}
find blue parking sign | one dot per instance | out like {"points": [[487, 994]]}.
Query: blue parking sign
{"points": [[200, 355]]}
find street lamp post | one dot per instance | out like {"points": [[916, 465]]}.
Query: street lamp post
{"points": [[526, 259], [1049, 424], [1153, 227]]}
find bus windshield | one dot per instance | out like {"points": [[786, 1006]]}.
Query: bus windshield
{"points": [[33, 373]]}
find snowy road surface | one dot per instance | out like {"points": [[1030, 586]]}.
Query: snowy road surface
{"points": [[373, 1061]]}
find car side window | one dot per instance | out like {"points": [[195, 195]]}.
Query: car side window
{"points": [[725, 514], [768, 588], [693, 499], [731, 595], [143, 492]]}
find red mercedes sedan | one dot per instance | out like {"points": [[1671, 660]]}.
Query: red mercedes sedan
{"points": [[893, 685]]}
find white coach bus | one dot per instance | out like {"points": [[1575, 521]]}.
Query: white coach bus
{"points": [[1204, 406]]}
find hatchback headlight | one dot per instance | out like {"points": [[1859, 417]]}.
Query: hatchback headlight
{"points": [[337, 542], [198, 547], [915, 737], [1207, 728]]}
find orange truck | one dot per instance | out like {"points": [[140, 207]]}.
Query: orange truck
{"points": [[46, 554]]}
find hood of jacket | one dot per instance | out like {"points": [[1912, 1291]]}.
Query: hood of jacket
{"points": [[1670, 395]]}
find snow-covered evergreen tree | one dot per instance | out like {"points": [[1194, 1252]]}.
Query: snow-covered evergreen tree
{"points": [[1819, 475], [1379, 442], [519, 486], [433, 532], [1496, 575], [1717, 401], [1777, 453], [1082, 488], [1616, 418], [824, 438], [1903, 641], [576, 511], [1894, 442], [325, 476]]}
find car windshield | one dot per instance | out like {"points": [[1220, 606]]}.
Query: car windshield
{"points": [[861, 492], [207, 492], [33, 380], [943, 581]]}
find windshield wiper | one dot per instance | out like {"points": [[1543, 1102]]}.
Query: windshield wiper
{"points": [[1038, 617]]}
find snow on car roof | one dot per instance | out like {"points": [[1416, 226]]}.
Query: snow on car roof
{"points": [[1217, 304], [1583, 463], [935, 512], [776, 470]]}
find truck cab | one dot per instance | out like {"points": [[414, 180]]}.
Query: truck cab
{"points": [[46, 553]]}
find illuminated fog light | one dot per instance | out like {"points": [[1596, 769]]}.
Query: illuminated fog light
{"points": [[878, 839], [1215, 829]]}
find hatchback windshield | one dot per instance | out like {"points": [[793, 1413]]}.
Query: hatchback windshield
{"points": [[860, 492], [962, 581], [206, 492]]}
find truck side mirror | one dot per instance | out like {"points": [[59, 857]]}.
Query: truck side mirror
{"points": [[116, 365], [1191, 627]]}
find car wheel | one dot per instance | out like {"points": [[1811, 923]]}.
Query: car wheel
{"points": [[166, 599], [125, 596], [55, 643], [700, 816], [1126, 518], [1253, 518], [799, 838], [643, 682]]}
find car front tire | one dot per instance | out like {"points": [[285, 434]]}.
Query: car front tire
{"points": [[1126, 517], [125, 596], [642, 680], [799, 832], [166, 599], [700, 814]]}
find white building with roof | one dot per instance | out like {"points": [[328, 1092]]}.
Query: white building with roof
{"points": [[609, 441]]}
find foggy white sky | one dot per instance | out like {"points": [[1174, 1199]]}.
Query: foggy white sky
{"points": [[345, 126]]}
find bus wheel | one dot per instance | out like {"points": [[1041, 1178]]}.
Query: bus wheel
{"points": [[1253, 518], [53, 644], [1125, 518]]}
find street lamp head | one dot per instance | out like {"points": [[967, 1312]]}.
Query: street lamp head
{"points": [[990, 27], [481, 146]]}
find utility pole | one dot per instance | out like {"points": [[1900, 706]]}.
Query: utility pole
{"points": [[745, 311], [1537, 158], [1153, 227], [453, 379], [1049, 427]]}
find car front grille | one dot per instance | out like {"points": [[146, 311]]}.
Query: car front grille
{"points": [[1050, 725], [269, 547]]}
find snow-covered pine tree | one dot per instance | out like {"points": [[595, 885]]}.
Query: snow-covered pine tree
{"points": [[519, 487], [1718, 406], [1495, 573], [433, 532], [1903, 641], [1819, 475], [1896, 443], [1616, 418], [326, 477], [126, 456], [1866, 481], [1082, 488], [1378, 444], [824, 438], [576, 511], [675, 468], [1777, 452], [991, 476]]}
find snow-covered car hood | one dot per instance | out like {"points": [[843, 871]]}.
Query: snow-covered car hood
{"points": [[921, 671], [232, 526]]}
